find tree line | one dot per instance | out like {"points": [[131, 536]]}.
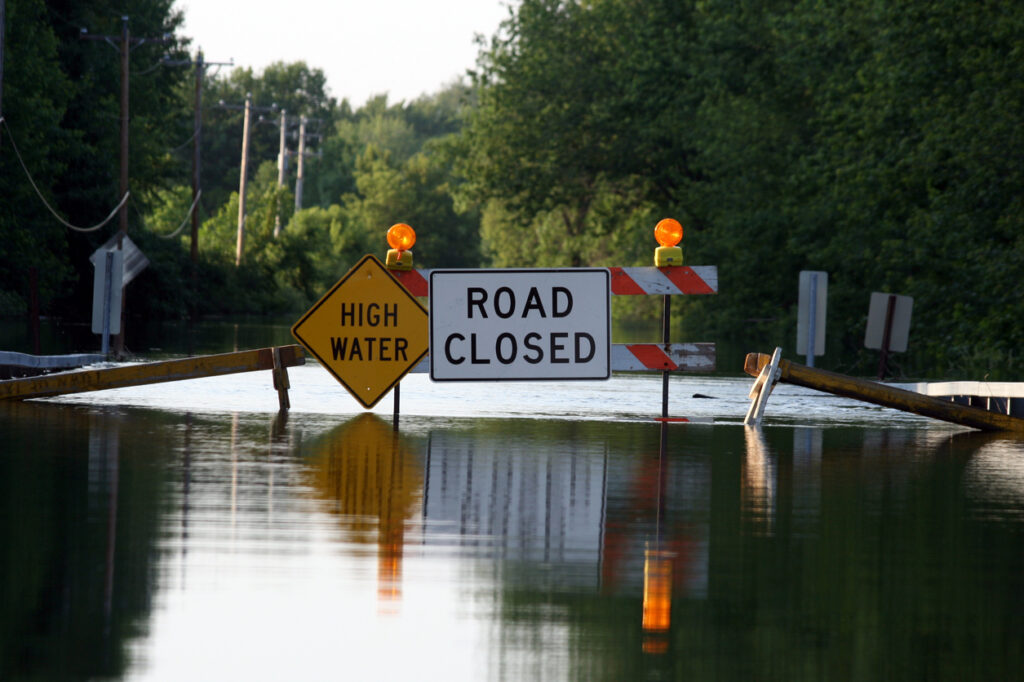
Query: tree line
{"points": [[879, 142]]}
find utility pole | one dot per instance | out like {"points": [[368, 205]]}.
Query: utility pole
{"points": [[282, 164], [125, 46], [197, 128], [197, 136], [301, 153], [300, 164], [3, 40], [122, 216], [243, 173], [239, 245]]}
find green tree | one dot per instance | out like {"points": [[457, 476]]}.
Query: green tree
{"points": [[581, 105], [35, 97], [296, 88], [413, 192]]}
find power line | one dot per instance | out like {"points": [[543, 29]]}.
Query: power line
{"points": [[63, 222], [184, 222]]}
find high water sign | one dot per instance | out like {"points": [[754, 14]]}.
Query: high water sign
{"points": [[368, 331]]}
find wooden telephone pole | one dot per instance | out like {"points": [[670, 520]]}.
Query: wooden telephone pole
{"points": [[124, 43], [248, 108], [242, 176]]}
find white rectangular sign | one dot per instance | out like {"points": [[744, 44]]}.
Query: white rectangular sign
{"points": [[810, 316], [104, 297], [899, 333], [531, 324]]}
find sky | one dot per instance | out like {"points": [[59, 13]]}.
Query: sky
{"points": [[404, 48]]}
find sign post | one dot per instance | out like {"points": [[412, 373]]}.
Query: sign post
{"points": [[368, 331], [888, 327], [531, 324], [107, 286], [810, 320]]}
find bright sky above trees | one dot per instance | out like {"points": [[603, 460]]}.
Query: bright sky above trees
{"points": [[402, 47]]}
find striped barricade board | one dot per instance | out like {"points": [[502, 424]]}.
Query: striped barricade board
{"points": [[631, 281]]}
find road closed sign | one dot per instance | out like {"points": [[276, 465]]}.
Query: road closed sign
{"points": [[507, 325]]}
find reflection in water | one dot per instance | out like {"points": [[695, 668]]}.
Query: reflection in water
{"points": [[520, 497], [657, 604], [805, 481], [758, 493], [516, 549], [78, 521], [994, 479], [366, 471], [103, 477]]}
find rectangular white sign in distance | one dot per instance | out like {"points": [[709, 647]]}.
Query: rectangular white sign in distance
{"points": [[529, 324], [899, 334]]}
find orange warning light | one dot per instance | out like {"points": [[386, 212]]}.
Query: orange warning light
{"points": [[668, 232], [402, 237]]}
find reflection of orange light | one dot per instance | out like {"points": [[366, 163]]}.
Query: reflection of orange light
{"points": [[401, 237], [668, 232], [657, 591], [655, 644], [389, 577]]}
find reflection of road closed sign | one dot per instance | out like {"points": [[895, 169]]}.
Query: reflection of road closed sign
{"points": [[499, 325]]}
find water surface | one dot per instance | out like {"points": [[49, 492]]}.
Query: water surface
{"points": [[189, 532]]}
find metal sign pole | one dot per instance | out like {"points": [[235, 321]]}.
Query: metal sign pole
{"points": [[107, 293], [883, 359], [812, 315], [398, 393], [665, 334]]}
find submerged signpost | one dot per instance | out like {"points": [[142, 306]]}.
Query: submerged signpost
{"points": [[370, 330], [526, 324], [367, 331]]}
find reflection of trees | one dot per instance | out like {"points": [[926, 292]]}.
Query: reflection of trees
{"points": [[80, 496]]}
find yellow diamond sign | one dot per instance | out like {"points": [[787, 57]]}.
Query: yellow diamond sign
{"points": [[368, 331]]}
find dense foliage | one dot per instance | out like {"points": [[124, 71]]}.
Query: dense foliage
{"points": [[877, 141], [880, 142]]}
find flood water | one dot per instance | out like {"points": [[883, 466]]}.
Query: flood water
{"points": [[506, 532]]}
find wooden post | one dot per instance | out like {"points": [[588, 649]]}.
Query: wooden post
{"points": [[197, 131], [300, 164], [240, 242], [886, 337], [282, 165], [761, 389], [122, 215], [139, 374], [886, 396], [281, 383]]}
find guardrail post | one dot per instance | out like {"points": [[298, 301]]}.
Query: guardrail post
{"points": [[281, 383]]}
